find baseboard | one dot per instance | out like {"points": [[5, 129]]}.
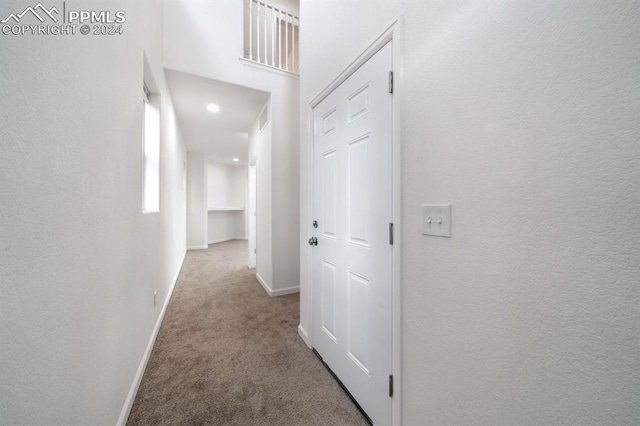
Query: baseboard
{"points": [[222, 240], [304, 335], [128, 403], [285, 291], [264, 284], [278, 292], [198, 247]]}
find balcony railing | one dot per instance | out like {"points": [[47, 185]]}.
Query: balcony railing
{"points": [[271, 36]]}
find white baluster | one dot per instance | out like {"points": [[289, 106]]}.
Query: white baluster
{"points": [[257, 32], [273, 37], [250, 30], [265, 34], [279, 38], [293, 49]]}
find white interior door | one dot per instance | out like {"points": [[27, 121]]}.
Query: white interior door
{"points": [[353, 207]]}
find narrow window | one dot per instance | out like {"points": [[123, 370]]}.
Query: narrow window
{"points": [[151, 153]]}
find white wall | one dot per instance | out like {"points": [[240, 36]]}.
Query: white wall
{"points": [[194, 35], [259, 144], [525, 118], [79, 262], [197, 220], [227, 187], [225, 226]]}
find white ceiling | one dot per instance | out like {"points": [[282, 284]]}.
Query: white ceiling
{"points": [[224, 135]]}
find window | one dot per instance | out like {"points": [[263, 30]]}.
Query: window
{"points": [[151, 153]]}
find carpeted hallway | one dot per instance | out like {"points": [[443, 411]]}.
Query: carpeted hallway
{"points": [[228, 354]]}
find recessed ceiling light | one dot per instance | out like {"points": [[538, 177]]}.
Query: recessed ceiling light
{"points": [[213, 108], [236, 160]]}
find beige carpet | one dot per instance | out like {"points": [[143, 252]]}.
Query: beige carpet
{"points": [[228, 354]]}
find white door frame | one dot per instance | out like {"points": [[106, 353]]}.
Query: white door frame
{"points": [[251, 212], [392, 33]]}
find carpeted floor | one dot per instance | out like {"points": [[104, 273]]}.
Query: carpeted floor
{"points": [[228, 354]]}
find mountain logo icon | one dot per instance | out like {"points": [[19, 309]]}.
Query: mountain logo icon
{"points": [[39, 11]]}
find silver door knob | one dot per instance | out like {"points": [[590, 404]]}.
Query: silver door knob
{"points": [[313, 241]]}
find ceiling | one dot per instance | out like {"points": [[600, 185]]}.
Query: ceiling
{"points": [[224, 135]]}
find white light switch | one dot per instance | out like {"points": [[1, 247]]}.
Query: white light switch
{"points": [[436, 220]]}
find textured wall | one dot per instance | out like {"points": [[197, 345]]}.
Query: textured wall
{"points": [[79, 262], [526, 118]]}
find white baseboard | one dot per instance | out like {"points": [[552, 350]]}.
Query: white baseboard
{"points": [[197, 248], [128, 403], [304, 335], [285, 291], [222, 240], [278, 292], [264, 284]]}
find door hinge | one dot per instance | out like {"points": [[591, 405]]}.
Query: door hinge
{"points": [[255, 251], [390, 385], [390, 81], [391, 233]]}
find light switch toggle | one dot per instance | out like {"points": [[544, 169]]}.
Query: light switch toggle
{"points": [[436, 220]]}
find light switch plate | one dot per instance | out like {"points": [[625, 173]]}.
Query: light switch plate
{"points": [[436, 220]]}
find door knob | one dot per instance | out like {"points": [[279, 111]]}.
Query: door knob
{"points": [[313, 241]]}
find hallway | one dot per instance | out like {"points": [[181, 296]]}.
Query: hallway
{"points": [[136, 134], [228, 354]]}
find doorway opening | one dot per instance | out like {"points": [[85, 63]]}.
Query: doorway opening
{"points": [[226, 130]]}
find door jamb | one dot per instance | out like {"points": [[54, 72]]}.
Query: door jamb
{"points": [[252, 215], [392, 33]]}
